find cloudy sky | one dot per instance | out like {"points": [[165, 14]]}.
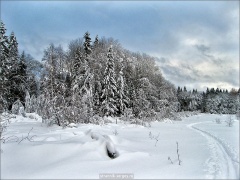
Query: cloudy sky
{"points": [[196, 43]]}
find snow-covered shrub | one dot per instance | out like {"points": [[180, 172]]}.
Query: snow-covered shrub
{"points": [[34, 104], [136, 121], [18, 108], [64, 124], [127, 115], [238, 115], [218, 121], [22, 112], [72, 125], [27, 102], [31, 116], [229, 121], [115, 132], [96, 119], [3, 126], [51, 121]]}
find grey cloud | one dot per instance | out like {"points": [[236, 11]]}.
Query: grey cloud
{"points": [[202, 48], [158, 28]]}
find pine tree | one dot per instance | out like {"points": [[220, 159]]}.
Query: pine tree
{"points": [[22, 79], [87, 44], [96, 42], [108, 97], [4, 42], [185, 89], [203, 104], [178, 90], [18, 73], [49, 79], [82, 84], [4, 68], [122, 99], [13, 51]]}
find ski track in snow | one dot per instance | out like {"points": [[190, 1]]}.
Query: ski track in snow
{"points": [[224, 160]]}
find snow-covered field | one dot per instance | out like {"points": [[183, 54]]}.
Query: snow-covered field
{"points": [[206, 149]]}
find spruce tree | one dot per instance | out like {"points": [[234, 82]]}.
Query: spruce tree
{"points": [[87, 44], [13, 51], [122, 99], [96, 42], [178, 90], [4, 68], [4, 42], [109, 92], [185, 89]]}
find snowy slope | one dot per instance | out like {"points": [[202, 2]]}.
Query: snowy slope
{"points": [[207, 150]]}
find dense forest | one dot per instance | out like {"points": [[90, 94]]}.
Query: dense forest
{"points": [[95, 78]]}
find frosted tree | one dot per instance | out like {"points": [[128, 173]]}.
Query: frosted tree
{"points": [[96, 42], [82, 95], [18, 75], [4, 41], [53, 85], [87, 44], [13, 51], [49, 79], [27, 102], [21, 79], [15, 83], [122, 99], [109, 91], [4, 68]]}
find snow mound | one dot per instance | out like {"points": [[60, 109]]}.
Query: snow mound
{"points": [[72, 125], [110, 147]]}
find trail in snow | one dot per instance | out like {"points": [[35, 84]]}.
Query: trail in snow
{"points": [[224, 160]]}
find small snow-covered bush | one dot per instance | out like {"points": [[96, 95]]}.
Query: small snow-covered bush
{"points": [[218, 120], [238, 115], [72, 125], [51, 121], [18, 108], [31, 116], [229, 121], [115, 132], [22, 112], [136, 121], [128, 115], [3, 126], [96, 119]]}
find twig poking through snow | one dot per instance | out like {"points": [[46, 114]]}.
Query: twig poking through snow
{"points": [[150, 135], [156, 138], [29, 138], [170, 160], [115, 132], [179, 161], [10, 138]]}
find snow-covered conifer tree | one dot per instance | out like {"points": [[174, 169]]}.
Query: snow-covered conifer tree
{"points": [[4, 67], [27, 102], [96, 42], [109, 92], [122, 99], [87, 44], [13, 51]]}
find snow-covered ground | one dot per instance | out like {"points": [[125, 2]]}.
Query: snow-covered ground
{"points": [[206, 149]]}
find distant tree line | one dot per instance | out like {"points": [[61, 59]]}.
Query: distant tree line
{"points": [[94, 79], [211, 101]]}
